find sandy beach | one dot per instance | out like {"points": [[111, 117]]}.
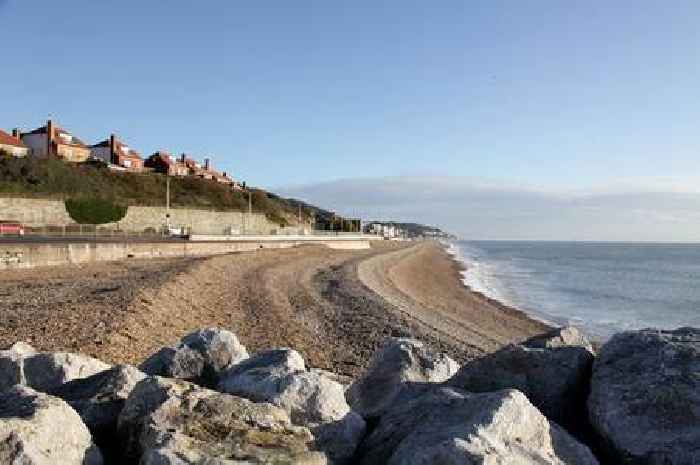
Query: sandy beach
{"points": [[335, 307]]}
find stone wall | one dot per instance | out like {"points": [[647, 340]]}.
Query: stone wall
{"points": [[34, 212], [138, 219], [41, 212]]}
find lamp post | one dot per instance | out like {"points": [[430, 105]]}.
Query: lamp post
{"points": [[167, 203]]}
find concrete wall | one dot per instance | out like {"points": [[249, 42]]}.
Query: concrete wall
{"points": [[198, 221], [34, 212], [34, 255]]}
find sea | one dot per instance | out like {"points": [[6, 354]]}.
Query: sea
{"points": [[601, 288]]}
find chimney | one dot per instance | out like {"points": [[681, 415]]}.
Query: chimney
{"points": [[17, 134], [224, 173], [49, 138], [183, 157], [206, 164], [112, 148]]}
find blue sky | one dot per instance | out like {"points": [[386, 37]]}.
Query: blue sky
{"points": [[287, 95]]}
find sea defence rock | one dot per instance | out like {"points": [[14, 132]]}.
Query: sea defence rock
{"points": [[567, 336], [311, 398], [452, 427], [397, 372], [176, 422], [45, 371], [258, 377], [551, 370], [645, 396], [42, 371], [99, 398], [12, 364], [199, 357], [38, 429]]}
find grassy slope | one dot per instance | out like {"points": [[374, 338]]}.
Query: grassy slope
{"points": [[56, 179]]}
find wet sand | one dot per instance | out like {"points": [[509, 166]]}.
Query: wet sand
{"points": [[335, 307]]}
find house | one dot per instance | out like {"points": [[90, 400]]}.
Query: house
{"points": [[53, 141], [116, 153], [13, 144], [163, 162], [194, 168]]}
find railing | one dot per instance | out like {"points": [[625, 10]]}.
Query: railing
{"points": [[88, 231]]}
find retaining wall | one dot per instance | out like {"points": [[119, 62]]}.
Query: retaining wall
{"points": [[41, 212], [137, 219], [34, 212], [33, 255]]}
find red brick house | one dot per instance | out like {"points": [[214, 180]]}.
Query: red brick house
{"points": [[117, 153], [163, 162], [13, 144]]}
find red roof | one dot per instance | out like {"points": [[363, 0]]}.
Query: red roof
{"points": [[6, 139]]}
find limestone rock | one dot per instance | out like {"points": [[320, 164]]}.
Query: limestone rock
{"points": [[176, 422], [552, 375], [200, 357], [453, 427], [48, 370], [99, 398], [38, 429], [311, 398], [318, 402], [645, 396], [567, 336], [12, 364], [396, 373], [258, 377]]}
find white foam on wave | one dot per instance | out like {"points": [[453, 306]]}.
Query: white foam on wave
{"points": [[478, 276]]}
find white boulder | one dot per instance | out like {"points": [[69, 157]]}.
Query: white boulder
{"points": [[398, 371], [453, 427], [200, 357], [38, 429]]}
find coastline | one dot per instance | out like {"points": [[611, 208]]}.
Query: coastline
{"points": [[335, 307], [452, 250]]}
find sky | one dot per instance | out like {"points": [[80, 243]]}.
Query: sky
{"points": [[571, 120]]}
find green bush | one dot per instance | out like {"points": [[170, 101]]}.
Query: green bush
{"points": [[94, 210]]}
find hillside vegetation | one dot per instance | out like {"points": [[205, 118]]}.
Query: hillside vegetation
{"points": [[94, 184]]}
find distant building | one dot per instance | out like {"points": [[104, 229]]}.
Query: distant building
{"points": [[115, 152], [13, 144], [53, 141], [386, 230], [163, 162]]}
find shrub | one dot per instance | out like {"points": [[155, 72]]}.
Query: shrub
{"points": [[94, 210]]}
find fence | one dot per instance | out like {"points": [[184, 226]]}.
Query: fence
{"points": [[87, 231]]}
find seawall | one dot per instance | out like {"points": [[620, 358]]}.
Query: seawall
{"points": [[33, 255]]}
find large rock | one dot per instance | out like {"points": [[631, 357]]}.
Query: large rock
{"points": [[553, 375], [38, 429], [312, 398], [176, 422], [645, 396], [258, 378], [566, 336], [99, 398], [453, 427], [43, 371], [199, 357], [397, 372], [12, 364]]}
